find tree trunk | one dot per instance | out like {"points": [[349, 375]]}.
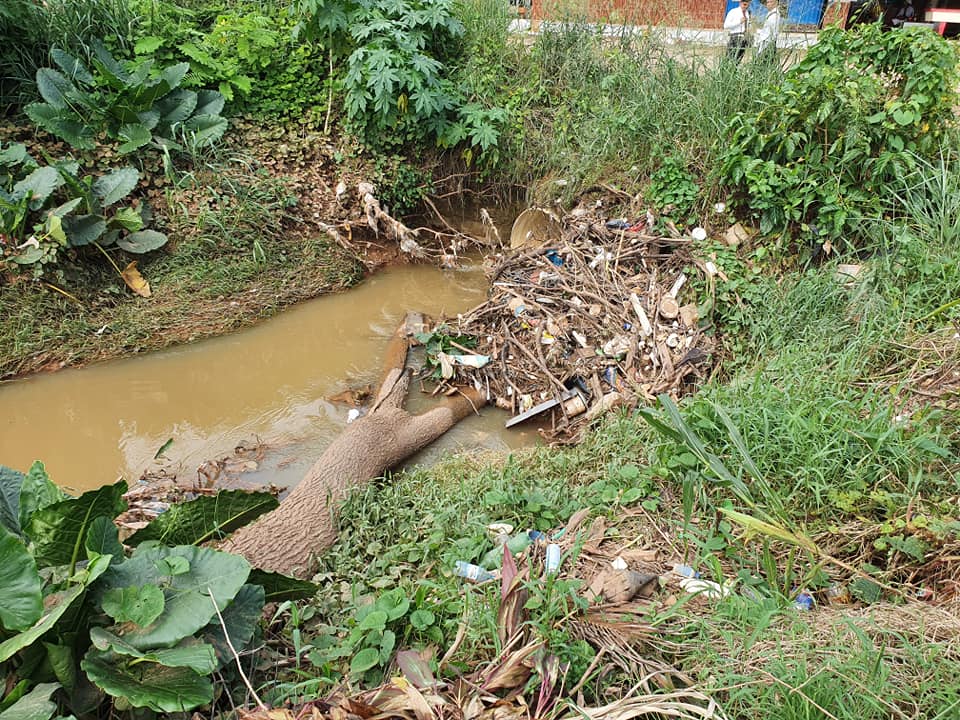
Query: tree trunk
{"points": [[288, 539]]}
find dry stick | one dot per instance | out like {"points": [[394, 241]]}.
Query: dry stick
{"points": [[236, 656], [543, 368]]}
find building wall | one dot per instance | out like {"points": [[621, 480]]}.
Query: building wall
{"points": [[669, 13]]}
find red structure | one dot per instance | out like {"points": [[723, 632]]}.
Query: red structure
{"points": [[668, 13]]}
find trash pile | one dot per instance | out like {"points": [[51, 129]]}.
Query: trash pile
{"points": [[590, 317]]}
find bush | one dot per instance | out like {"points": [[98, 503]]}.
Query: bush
{"points": [[827, 147]]}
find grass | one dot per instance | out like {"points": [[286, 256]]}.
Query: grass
{"points": [[816, 417]]}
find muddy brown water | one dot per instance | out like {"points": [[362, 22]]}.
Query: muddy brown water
{"points": [[93, 425]]}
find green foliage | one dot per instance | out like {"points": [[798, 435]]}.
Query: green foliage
{"points": [[673, 191], [134, 105], [29, 30], [153, 636], [207, 518], [66, 210], [825, 150], [397, 84]]}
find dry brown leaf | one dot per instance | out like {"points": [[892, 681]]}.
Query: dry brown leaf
{"points": [[135, 281]]}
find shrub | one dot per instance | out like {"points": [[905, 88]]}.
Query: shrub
{"points": [[827, 147]]}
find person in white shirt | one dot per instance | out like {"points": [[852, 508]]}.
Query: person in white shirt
{"points": [[767, 36], [737, 22]]}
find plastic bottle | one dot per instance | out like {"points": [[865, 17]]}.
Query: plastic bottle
{"points": [[685, 571], [552, 563], [804, 601], [469, 571]]}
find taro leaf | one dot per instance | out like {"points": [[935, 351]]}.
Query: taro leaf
{"points": [[55, 605], [146, 684], [188, 605], [35, 705], [115, 185], [209, 102], [21, 601], [28, 256], [58, 531], [13, 155], [204, 130], [11, 481], [127, 218], [142, 241], [83, 229], [68, 207], [78, 134], [364, 660], [39, 185], [134, 136], [174, 74], [240, 618], [72, 67], [177, 106], [135, 281], [114, 73], [205, 518], [63, 665], [103, 538], [55, 88], [139, 605], [282, 587], [192, 653]]}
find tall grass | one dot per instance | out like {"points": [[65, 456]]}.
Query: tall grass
{"points": [[29, 30], [590, 103]]}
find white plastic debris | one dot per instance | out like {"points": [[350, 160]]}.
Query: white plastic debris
{"points": [[352, 415], [699, 233], [619, 563]]}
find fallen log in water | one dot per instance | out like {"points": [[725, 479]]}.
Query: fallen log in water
{"points": [[289, 538]]}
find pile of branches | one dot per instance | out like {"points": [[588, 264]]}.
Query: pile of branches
{"points": [[581, 324]]}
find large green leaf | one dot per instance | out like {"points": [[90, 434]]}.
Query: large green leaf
{"points": [[39, 185], [147, 684], [176, 107], [188, 605], [55, 605], [282, 587], [142, 241], [47, 117], [56, 89], [37, 492], [59, 530], [134, 136], [192, 653], [115, 185], [240, 620], [209, 102], [204, 130], [10, 483], [35, 705], [139, 605], [21, 598], [208, 517], [83, 229], [73, 68], [103, 538]]}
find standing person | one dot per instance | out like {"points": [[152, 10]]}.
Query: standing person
{"points": [[768, 34], [736, 23], [906, 14]]}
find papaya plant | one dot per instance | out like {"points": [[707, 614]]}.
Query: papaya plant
{"points": [[47, 209], [143, 629], [134, 105]]}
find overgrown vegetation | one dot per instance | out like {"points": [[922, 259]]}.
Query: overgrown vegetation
{"points": [[822, 459]]}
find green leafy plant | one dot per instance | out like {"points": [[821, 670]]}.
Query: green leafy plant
{"points": [[156, 624], [674, 190], [397, 85], [61, 209], [132, 105], [827, 147]]}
